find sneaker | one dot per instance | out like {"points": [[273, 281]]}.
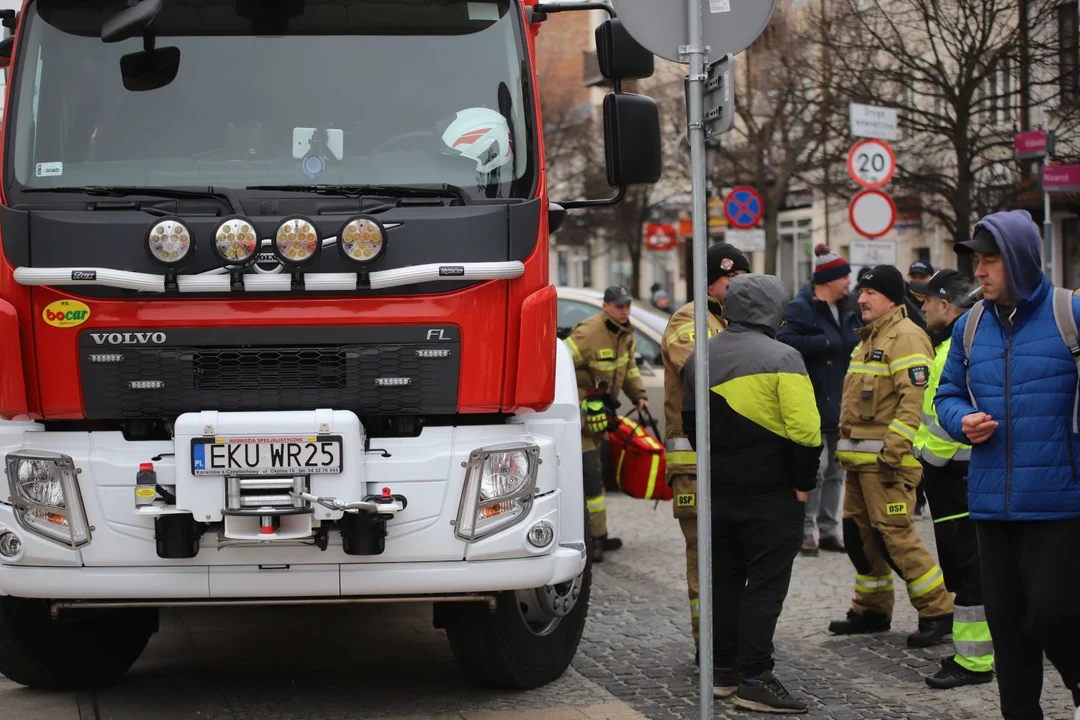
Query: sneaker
{"points": [[766, 694], [953, 675], [725, 682], [834, 544], [859, 624], [931, 631], [809, 546]]}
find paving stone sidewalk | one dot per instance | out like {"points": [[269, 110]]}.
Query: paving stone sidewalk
{"points": [[638, 644]]}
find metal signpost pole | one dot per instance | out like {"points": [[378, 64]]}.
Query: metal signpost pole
{"points": [[696, 52]]}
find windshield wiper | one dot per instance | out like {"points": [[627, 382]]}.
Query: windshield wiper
{"points": [[432, 190], [224, 195]]}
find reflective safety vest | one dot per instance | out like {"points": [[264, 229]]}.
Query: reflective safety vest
{"points": [[932, 444]]}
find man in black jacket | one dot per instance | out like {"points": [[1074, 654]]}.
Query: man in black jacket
{"points": [[765, 441], [821, 326]]}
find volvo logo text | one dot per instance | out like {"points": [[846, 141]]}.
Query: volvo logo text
{"points": [[129, 338]]}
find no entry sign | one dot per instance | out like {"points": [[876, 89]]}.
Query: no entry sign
{"points": [[743, 207], [872, 213], [871, 163]]}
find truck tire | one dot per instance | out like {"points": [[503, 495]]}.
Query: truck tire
{"points": [[520, 645], [83, 650]]}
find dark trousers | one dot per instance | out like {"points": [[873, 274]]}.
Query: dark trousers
{"points": [[1031, 586], [957, 543], [755, 537]]}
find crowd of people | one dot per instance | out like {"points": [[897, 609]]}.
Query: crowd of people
{"points": [[954, 392]]}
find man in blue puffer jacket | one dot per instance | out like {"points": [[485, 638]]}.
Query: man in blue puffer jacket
{"points": [[1024, 477]]}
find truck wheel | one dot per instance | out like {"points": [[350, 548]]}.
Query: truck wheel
{"points": [[530, 638], [80, 651]]}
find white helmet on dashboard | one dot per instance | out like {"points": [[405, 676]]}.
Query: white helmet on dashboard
{"points": [[481, 134]]}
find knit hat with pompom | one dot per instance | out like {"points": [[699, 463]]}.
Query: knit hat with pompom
{"points": [[828, 266]]}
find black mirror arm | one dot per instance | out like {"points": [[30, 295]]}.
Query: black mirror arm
{"points": [[602, 202], [539, 13]]}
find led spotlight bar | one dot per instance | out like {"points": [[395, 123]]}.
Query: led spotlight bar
{"points": [[362, 240], [297, 241], [169, 242], [237, 241]]}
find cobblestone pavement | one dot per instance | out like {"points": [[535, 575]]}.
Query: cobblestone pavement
{"points": [[636, 660], [638, 643]]}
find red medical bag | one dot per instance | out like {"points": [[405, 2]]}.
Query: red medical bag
{"points": [[637, 460]]}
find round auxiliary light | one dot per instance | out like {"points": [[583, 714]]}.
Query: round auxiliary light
{"points": [[297, 241], [237, 241], [170, 242], [362, 240]]}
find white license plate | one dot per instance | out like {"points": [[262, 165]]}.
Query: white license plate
{"points": [[300, 455]]}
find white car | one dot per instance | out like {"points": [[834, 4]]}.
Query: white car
{"points": [[577, 304]]}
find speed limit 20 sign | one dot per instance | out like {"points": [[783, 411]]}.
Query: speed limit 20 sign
{"points": [[871, 163]]}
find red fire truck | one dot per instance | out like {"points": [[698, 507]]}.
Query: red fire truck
{"points": [[277, 324]]}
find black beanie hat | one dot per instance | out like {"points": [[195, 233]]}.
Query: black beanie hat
{"points": [[887, 280], [724, 259]]}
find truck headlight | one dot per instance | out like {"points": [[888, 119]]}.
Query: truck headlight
{"points": [[46, 497], [499, 484]]}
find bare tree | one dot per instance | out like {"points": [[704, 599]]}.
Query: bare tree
{"points": [[953, 69], [780, 139], [576, 145]]}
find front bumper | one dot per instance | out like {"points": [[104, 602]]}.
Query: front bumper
{"points": [[422, 553]]}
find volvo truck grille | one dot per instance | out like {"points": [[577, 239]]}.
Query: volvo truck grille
{"points": [[384, 370]]}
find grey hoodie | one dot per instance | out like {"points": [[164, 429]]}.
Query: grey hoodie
{"points": [[765, 429]]}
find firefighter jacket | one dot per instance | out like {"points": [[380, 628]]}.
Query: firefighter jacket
{"points": [[883, 394], [603, 353], [932, 444], [765, 431], [675, 349]]}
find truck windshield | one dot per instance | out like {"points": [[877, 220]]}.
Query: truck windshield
{"points": [[238, 93]]}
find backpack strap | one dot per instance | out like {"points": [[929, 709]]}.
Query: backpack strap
{"points": [[974, 315], [1066, 325]]}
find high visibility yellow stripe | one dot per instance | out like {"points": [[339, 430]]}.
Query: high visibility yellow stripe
{"points": [[873, 584], [618, 466], [695, 608], [903, 430], [654, 469], [596, 504], [633, 373], [869, 368], [927, 582], [682, 457], [574, 350], [908, 361]]}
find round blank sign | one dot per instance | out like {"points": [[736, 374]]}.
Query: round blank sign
{"points": [[661, 26], [872, 213]]}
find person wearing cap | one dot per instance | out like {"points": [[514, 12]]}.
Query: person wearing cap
{"points": [[723, 262], [1009, 389], [662, 301], [822, 328], [764, 447], [602, 347], [947, 296], [918, 271], [879, 415]]}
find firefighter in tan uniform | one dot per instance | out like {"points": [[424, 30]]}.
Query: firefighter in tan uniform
{"points": [[603, 350], [879, 414], [723, 262]]}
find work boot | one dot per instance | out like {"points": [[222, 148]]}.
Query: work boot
{"points": [[954, 675], [931, 631], [610, 543], [831, 543], [809, 545], [597, 550], [860, 624], [725, 682], [765, 694]]}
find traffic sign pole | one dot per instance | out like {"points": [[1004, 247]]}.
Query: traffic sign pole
{"points": [[696, 136]]}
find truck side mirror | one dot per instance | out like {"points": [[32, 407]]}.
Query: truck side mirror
{"points": [[6, 46], [619, 55], [631, 139]]}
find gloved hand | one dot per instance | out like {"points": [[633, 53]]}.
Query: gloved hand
{"points": [[596, 410]]}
